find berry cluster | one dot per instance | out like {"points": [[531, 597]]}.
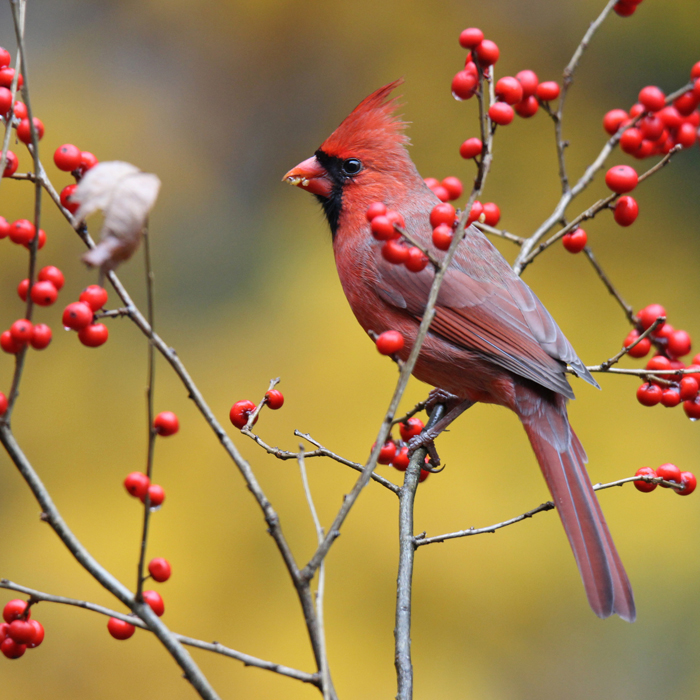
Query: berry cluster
{"points": [[241, 410], [386, 226], [449, 189], [19, 633], [138, 485], [670, 345], [80, 316], [21, 232], [667, 472], [395, 453], [653, 127], [71, 159]]}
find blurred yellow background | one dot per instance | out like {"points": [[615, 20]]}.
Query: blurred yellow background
{"points": [[220, 99]]}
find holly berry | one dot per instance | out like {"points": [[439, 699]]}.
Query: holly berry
{"points": [[21, 331], [670, 116], [475, 212], [137, 484], [509, 90], [120, 629], [670, 397], [387, 453], [87, 161], [658, 362], [548, 91], [22, 631], [43, 293], [77, 315], [621, 178], [10, 648], [401, 459], [626, 211], [689, 483], [5, 57], [274, 399], [669, 472], [93, 335], [382, 229], [441, 193], [649, 394], [20, 110], [41, 336], [529, 80], [492, 214], [94, 296], [645, 486], [156, 495], [9, 344], [464, 85], [689, 387], [687, 135], [240, 412], [641, 349], [390, 342], [11, 163], [412, 427], [14, 610], [651, 127], [67, 157], [5, 101], [396, 220], [443, 213], [649, 314], [424, 474], [469, 38], [395, 251], [166, 423], [7, 75], [66, 194], [22, 231], [416, 259], [159, 569], [678, 344], [442, 236], [154, 601], [501, 113], [4, 227], [3, 404], [454, 187], [487, 52], [24, 130], [624, 9], [613, 120], [375, 209], [528, 107], [575, 241], [41, 242], [471, 148], [39, 634], [52, 274]]}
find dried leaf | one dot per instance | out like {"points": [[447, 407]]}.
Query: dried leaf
{"points": [[126, 196]]}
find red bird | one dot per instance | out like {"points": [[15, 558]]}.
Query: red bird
{"points": [[491, 339]]}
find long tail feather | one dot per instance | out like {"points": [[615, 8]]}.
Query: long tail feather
{"points": [[562, 459]]}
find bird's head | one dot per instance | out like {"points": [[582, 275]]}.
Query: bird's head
{"points": [[361, 161]]}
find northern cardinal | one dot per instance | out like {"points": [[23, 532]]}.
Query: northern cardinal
{"points": [[491, 339]]}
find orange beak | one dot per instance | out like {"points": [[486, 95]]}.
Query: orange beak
{"points": [[311, 176]]}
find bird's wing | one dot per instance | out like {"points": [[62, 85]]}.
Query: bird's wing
{"points": [[484, 307]]}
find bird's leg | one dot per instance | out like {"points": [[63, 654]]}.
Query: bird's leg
{"points": [[426, 439]]}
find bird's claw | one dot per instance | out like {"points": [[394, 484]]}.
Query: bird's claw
{"points": [[426, 440], [440, 396]]}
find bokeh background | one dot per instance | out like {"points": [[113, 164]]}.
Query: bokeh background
{"points": [[220, 99]]}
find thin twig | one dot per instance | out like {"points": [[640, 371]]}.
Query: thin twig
{"points": [[11, 114], [616, 358], [629, 311], [499, 232]]}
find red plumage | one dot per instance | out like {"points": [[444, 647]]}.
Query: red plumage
{"points": [[491, 339]]}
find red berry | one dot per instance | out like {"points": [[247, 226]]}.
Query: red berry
{"points": [[395, 219], [382, 229], [166, 423], [156, 495], [39, 634], [492, 214], [87, 161], [442, 214], [240, 412], [651, 127], [679, 344], [413, 426], [9, 344], [689, 483], [14, 610], [649, 314], [41, 336], [21, 330], [3, 404], [652, 98], [401, 459], [548, 91], [669, 472], [692, 409], [687, 135], [509, 90], [442, 236], [424, 474], [395, 251], [10, 648], [274, 399], [575, 241], [20, 110], [626, 211], [431, 182], [694, 71], [120, 629], [11, 164], [464, 85], [387, 453], [621, 178], [649, 394], [390, 342], [154, 601], [441, 193], [624, 9], [670, 116], [416, 259], [475, 212], [41, 243], [22, 631], [159, 569], [43, 293], [7, 75], [686, 103], [658, 362], [24, 131], [375, 209], [468, 39], [52, 274], [22, 231], [641, 349], [454, 187], [670, 397], [137, 484], [77, 315], [93, 335], [528, 107], [501, 113], [529, 80], [613, 120], [471, 148], [689, 387], [4, 227], [5, 57], [645, 486], [487, 52], [67, 157], [94, 296], [5, 101], [66, 193]]}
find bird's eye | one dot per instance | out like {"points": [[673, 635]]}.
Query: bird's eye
{"points": [[352, 166]]}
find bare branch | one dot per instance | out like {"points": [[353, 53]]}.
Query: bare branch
{"points": [[616, 358], [629, 311]]}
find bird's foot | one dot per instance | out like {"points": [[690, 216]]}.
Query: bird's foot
{"points": [[437, 396]]}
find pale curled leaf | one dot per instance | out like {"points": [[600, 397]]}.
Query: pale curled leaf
{"points": [[126, 196]]}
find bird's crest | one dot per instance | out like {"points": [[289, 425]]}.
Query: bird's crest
{"points": [[371, 127]]}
